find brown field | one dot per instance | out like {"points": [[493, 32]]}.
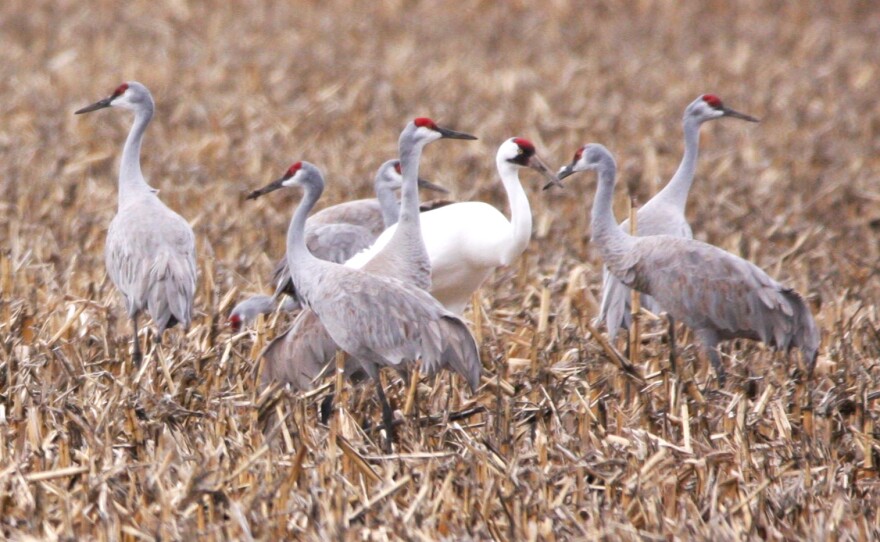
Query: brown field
{"points": [[559, 443]]}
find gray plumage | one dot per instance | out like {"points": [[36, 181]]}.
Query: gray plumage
{"points": [[150, 250], [664, 213], [246, 312], [302, 353], [718, 295], [339, 232]]}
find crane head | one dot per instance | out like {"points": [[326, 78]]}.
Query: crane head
{"points": [[521, 152], [424, 130], [591, 156], [710, 106], [299, 174], [131, 95], [390, 176], [234, 322]]}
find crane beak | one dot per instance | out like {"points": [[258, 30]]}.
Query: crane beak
{"points": [[536, 163], [101, 104], [737, 115], [271, 187], [564, 172], [431, 186], [446, 133]]}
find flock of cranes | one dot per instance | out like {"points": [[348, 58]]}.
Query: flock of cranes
{"points": [[387, 282]]}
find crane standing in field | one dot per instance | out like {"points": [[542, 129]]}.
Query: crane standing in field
{"points": [[339, 232], [378, 320], [664, 213], [718, 295], [303, 352], [466, 241], [150, 249]]}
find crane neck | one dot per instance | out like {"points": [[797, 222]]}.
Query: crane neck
{"points": [[676, 191], [612, 241], [131, 180], [520, 211], [299, 257], [388, 204]]}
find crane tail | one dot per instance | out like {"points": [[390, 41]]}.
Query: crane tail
{"points": [[460, 351], [615, 308], [805, 332], [172, 288]]}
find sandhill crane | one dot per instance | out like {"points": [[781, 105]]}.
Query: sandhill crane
{"points": [[467, 241], [380, 321], [150, 249], [339, 232], [718, 295], [664, 213], [245, 312], [301, 354]]}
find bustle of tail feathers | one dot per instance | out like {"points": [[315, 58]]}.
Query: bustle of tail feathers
{"points": [[805, 333], [461, 353], [170, 297]]}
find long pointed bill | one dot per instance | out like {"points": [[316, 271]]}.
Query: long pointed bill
{"points": [[101, 104], [561, 174], [737, 115], [271, 187], [431, 186], [541, 167], [452, 134]]}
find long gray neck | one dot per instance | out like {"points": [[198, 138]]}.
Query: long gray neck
{"points": [[299, 258], [388, 204], [612, 242], [676, 191], [131, 180]]}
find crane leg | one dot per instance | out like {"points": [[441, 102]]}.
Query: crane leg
{"points": [[671, 342], [716, 364], [136, 354], [326, 408], [387, 416]]}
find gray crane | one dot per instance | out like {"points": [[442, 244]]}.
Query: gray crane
{"points": [[150, 251], [378, 320], [245, 312], [664, 213], [301, 354], [718, 295], [339, 232]]}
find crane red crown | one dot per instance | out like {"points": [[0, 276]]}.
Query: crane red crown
{"points": [[578, 155], [525, 145], [120, 89], [293, 169], [397, 167], [712, 100], [425, 122]]}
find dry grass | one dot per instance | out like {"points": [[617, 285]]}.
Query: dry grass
{"points": [[560, 443]]}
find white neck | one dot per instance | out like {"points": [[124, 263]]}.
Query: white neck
{"points": [[675, 193], [520, 211]]}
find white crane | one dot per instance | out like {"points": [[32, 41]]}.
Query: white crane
{"points": [[302, 353], [339, 232], [380, 321], [467, 241], [150, 249], [664, 213], [718, 295]]}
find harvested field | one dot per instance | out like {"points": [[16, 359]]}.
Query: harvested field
{"points": [[559, 443]]}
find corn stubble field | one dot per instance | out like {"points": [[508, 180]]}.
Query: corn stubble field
{"points": [[559, 442]]}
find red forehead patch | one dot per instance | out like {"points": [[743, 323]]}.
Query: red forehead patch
{"points": [[578, 154], [120, 89], [397, 167], [525, 145], [425, 122], [293, 169], [712, 100]]}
